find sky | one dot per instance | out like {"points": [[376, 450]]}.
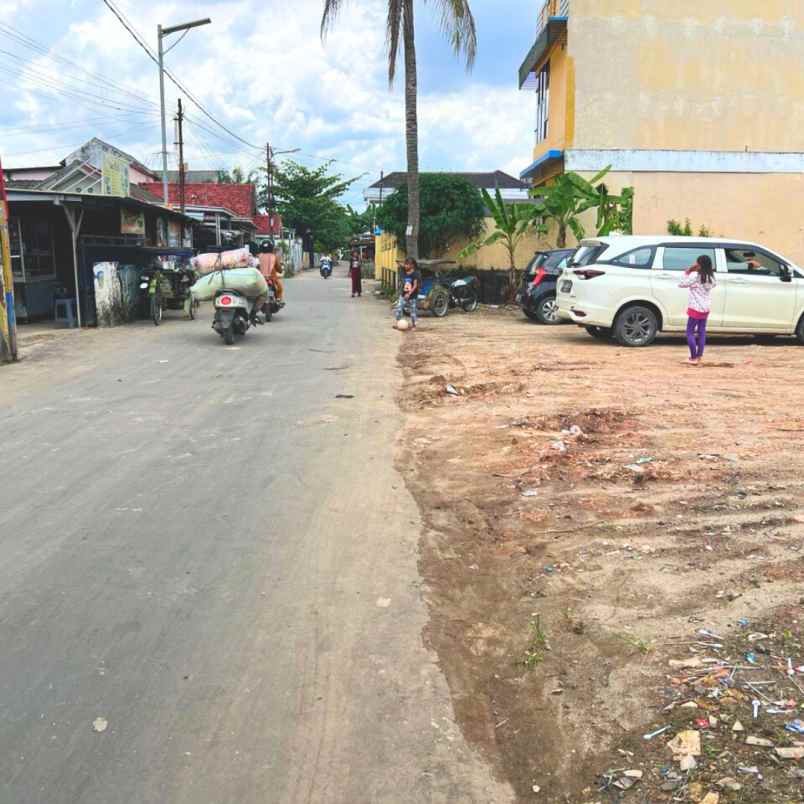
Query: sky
{"points": [[262, 70]]}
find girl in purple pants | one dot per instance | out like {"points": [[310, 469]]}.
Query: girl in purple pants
{"points": [[699, 279]]}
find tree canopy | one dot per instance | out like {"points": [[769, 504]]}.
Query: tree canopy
{"points": [[307, 198], [452, 210]]}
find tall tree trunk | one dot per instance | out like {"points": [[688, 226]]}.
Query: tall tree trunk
{"points": [[411, 132]]}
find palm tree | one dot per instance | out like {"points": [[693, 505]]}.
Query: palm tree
{"points": [[459, 27]]}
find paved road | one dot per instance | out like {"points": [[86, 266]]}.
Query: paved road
{"points": [[205, 547]]}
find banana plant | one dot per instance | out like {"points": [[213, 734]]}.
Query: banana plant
{"points": [[564, 201], [512, 222]]}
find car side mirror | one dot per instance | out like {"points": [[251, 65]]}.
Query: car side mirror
{"points": [[786, 275]]}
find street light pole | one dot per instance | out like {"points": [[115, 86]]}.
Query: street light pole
{"points": [[164, 125], [161, 33]]}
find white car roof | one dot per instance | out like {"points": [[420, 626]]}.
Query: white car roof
{"points": [[620, 244]]}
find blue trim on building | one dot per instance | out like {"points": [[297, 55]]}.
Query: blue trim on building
{"points": [[531, 169]]}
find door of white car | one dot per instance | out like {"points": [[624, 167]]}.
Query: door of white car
{"points": [[756, 296], [668, 271]]}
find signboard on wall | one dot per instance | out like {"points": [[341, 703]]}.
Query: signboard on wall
{"points": [[132, 222], [115, 176], [174, 234]]}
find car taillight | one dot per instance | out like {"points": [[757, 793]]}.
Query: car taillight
{"points": [[540, 274], [588, 273]]}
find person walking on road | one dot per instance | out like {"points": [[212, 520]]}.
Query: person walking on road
{"points": [[356, 273], [699, 279]]}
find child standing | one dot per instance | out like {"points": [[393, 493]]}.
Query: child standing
{"points": [[411, 284], [700, 280]]}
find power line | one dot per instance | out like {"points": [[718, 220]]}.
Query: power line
{"points": [[32, 44], [140, 41], [42, 81]]}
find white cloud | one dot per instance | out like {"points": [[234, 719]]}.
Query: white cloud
{"points": [[262, 69]]}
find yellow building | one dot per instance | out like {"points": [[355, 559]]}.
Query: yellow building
{"points": [[697, 104]]}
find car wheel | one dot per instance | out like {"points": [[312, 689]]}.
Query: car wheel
{"points": [[601, 333], [800, 331], [547, 311], [636, 326]]}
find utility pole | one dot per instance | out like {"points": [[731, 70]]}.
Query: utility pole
{"points": [[269, 154], [269, 167], [161, 33], [8, 321], [182, 175]]}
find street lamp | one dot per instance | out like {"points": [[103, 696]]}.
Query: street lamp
{"points": [[161, 34]]}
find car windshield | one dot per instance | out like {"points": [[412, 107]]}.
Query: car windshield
{"points": [[587, 253], [556, 261], [537, 260]]}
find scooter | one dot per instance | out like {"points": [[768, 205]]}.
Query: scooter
{"points": [[234, 315], [272, 305], [326, 269]]}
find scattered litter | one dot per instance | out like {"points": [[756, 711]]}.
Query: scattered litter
{"points": [[797, 727], [530, 493], [751, 658], [738, 726], [452, 390], [760, 741], [656, 733], [559, 446], [686, 743], [344, 396], [100, 724], [711, 798], [752, 769], [164, 361], [795, 752], [536, 788], [755, 705], [743, 622], [730, 783], [383, 602]]}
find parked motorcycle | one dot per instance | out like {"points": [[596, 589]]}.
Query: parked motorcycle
{"points": [[234, 315], [465, 293]]}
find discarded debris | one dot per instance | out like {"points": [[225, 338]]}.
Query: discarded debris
{"points": [[452, 390], [793, 752], [100, 724], [761, 741], [530, 493], [686, 743], [656, 733]]}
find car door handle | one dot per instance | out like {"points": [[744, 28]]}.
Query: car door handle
{"points": [[666, 276], [735, 281]]}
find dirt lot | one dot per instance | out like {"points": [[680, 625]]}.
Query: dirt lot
{"points": [[589, 509]]}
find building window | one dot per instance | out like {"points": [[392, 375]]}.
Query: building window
{"points": [[542, 102], [32, 254]]}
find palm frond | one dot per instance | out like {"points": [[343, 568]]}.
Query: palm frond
{"points": [[458, 23], [331, 9]]}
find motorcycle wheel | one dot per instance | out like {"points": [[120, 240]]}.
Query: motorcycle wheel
{"points": [[439, 303], [269, 313], [156, 308], [228, 335], [470, 303]]}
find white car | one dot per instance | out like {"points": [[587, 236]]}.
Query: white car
{"points": [[627, 286]]}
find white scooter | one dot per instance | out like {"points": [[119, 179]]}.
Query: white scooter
{"points": [[234, 314]]}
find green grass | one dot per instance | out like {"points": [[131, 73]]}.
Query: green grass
{"points": [[537, 644]]}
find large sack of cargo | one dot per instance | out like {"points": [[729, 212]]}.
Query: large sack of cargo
{"points": [[204, 264], [249, 281]]}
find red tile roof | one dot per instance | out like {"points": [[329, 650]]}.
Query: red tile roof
{"points": [[240, 198], [263, 224]]}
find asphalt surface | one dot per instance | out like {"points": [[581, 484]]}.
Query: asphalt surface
{"points": [[210, 551]]}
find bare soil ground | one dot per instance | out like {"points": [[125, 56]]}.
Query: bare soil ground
{"points": [[588, 509]]}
